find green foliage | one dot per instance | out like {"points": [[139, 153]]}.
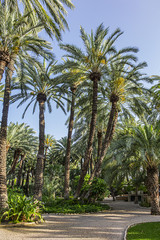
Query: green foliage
{"points": [[21, 209], [98, 188], [144, 231], [85, 186], [72, 206]]}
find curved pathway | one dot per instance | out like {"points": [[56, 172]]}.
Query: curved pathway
{"points": [[110, 225]]}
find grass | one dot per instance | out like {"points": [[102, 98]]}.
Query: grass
{"points": [[144, 231], [72, 206]]}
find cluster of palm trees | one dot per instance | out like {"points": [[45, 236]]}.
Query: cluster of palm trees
{"points": [[19, 41], [103, 87]]}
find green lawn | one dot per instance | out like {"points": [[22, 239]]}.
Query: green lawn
{"points": [[144, 231]]}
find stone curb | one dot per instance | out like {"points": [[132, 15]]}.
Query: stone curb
{"points": [[125, 233]]}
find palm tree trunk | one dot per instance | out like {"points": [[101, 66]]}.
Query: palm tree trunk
{"points": [[108, 138], [41, 98], [3, 136], [45, 158], [15, 161], [153, 188], [88, 152], [68, 149], [19, 176], [27, 183], [4, 60], [99, 136]]}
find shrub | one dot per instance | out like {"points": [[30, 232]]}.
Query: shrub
{"points": [[98, 189], [21, 209], [72, 206]]}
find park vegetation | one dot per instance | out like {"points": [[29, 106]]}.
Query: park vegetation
{"points": [[113, 140]]}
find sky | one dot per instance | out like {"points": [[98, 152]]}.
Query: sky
{"points": [[138, 19]]}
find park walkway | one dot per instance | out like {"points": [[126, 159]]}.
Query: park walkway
{"points": [[110, 225]]}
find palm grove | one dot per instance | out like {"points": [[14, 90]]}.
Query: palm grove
{"points": [[113, 125]]}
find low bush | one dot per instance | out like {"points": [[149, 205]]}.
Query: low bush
{"points": [[21, 209], [72, 206], [97, 189]]}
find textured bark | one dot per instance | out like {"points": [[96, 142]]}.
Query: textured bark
{"points": [[95, 78], [15, 161], [4, 60], [45, 157], [108, 138], [27, 183], [19, 176], [153, 188], [41, 98], [99, 136], [3, 136], [68, 149], [91, 164]]}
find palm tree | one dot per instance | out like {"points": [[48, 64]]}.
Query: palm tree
{"points": [[17, 36], [49, 142], [20, 142], [143, 141], [50, 13], [74, 86], [92, 65], [123, 88], [40, 88], [21, 40]]}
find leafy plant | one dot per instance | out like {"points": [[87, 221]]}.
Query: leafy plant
{"points": [[21, 209], [98, 189], [72, 206]]}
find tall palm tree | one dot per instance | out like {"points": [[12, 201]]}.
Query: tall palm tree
{"points": [[22, 40], [39, 87], [92, 65], [74, 86], [123, 88]]}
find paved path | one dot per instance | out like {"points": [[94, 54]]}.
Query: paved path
{"points": [[110, 225]]}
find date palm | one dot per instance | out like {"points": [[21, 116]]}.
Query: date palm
{"points": [[92, 65], [20, 140], [143, 140], [123, 91], [41, 89], [49, 142], [74, 86], [16, 38]]}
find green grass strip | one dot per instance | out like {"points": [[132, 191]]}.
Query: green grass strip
{"points": [[144, 231]]}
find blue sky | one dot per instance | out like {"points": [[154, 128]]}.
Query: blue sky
{"points": [[138, 19]]}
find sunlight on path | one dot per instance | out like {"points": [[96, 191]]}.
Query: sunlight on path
{"points": [[110, 225]]}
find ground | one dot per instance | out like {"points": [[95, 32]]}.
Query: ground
{"points": [[110, 225]]}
